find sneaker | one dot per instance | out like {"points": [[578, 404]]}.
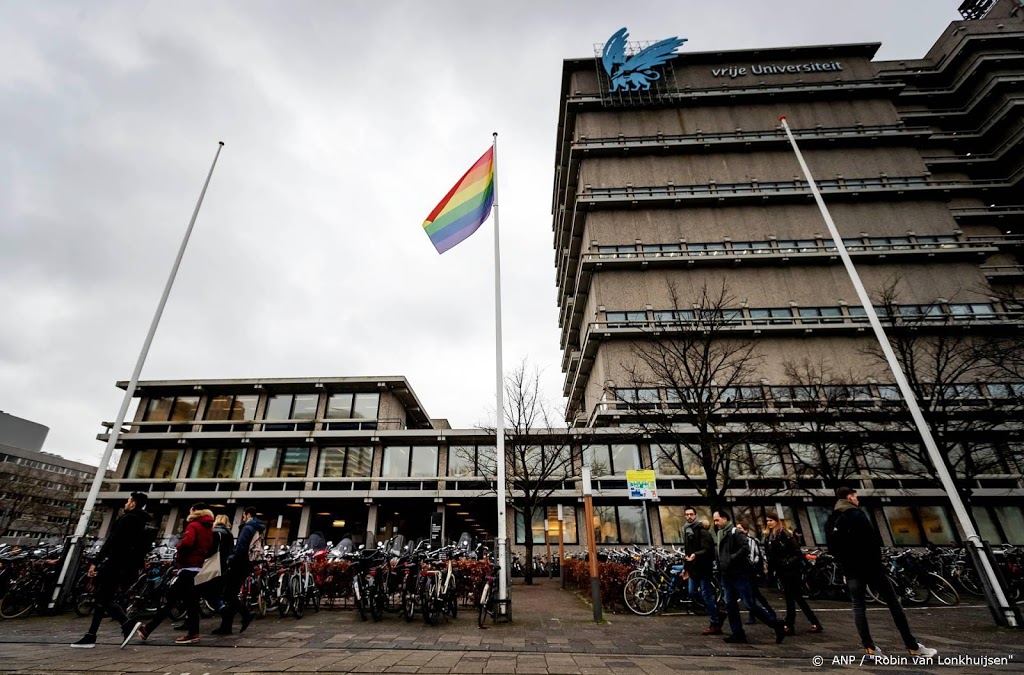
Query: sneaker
{"points": [[736, 639], [780, 632], [187, 639], [816, 628], [873, 652], [712, 630], [87, 642], [143, 633], [130, 632], [923, 651]]}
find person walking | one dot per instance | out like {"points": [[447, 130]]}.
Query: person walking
{"points": [[699, 565], [193, 548], [857, 548], [784, 561], [239, 566], [120, 559], [758, 568], [213, 590], [737, 579]]}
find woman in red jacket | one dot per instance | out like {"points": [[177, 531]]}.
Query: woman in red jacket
{"points": [[194, 547]]}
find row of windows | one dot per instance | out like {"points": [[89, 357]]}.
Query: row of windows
{"points": [[750, 459], [280, 407], [740, 134], [777, 246], [650, 398], [907, 525], [755, 186], [760, 316], [43, 466]]}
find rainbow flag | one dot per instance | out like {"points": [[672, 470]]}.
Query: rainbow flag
{"points": [[466, 206]]}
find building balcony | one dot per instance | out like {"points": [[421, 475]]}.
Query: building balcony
{"points": [[773, 252], [255, 429], [1003, 274]]}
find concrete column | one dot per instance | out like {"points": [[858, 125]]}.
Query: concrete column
{"points": [[236, 522], [307, 513], [108, 519], [371, 525], [172, 516]]}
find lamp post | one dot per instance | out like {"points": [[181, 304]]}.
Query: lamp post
{"points": [[561, 546], [588, 507], [547, 541]]}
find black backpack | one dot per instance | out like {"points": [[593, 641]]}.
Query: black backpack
{"points": [[143, 544], [837, 535]]}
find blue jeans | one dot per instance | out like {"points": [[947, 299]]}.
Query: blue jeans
{"points": [[740, 588], [707, 592]]}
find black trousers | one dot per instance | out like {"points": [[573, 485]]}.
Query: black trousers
{"points": [[183, 590], [105, 593], [883, 588], [792, 588], [233, 578]]}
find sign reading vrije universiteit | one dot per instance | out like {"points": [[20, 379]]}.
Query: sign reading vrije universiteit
{"points": [[773, 69]]}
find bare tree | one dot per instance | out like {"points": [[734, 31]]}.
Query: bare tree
{"points": [[944, 363], [826, 453], [23, 496], [538, 456], [696, 358]]}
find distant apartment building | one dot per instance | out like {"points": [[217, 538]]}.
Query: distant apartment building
{"points": [[37, 489]]}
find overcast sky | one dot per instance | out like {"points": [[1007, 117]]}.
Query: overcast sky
{"points": [[344, 123]]}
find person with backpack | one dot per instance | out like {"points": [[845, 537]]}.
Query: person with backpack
{"points": [[120, 558], [785, 559], [699, 565], [248, 549], [737, 579], [193, 549], [857, 547], [757, 565]]}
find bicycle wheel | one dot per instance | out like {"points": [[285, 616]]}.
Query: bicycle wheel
{"points": [[85, 604], [268, 598], [431, 608], [378, 599], [941, 589], [359, 597], [914, 590], [298, 596], [20, 599], [408, 604], [284, 596], [968, 580], [641, 596], [451, 602], [485, 598]]}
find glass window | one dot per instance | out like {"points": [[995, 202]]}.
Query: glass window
{"points": [[818, 515], [462, 461], [625, 458], [672, 522], [339, 406], [936, 525], [359, 462], [598, 458], [266, 463], [1012, 520], [570, 534], [332, 462], [424, 462], [986, 525], [666, 460], [279, 407], [294, 462], [158, 409], [159, 464], [619, 525], [210, 463], [396, 462], [304, 407], [142, 464], [903, 526], [366, 406]]}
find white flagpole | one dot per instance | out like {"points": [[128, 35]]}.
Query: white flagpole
{"points": [[988, 574], [101, 470], [502, 543]]}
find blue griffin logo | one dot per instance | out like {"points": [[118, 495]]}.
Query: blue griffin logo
{"points": [[635, 72]]}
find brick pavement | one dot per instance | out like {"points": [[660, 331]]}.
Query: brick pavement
{"points": [[552, 633]]}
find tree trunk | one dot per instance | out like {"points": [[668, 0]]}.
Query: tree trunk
{"points": [[528, 540]]}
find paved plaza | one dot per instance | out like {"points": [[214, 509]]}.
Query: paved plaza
{"points": [[553, 632]]}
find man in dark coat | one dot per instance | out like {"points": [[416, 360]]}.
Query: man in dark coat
{"points": [[738, 579], [857, 548], [239, 567], [700, 562], [118, 561]]}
